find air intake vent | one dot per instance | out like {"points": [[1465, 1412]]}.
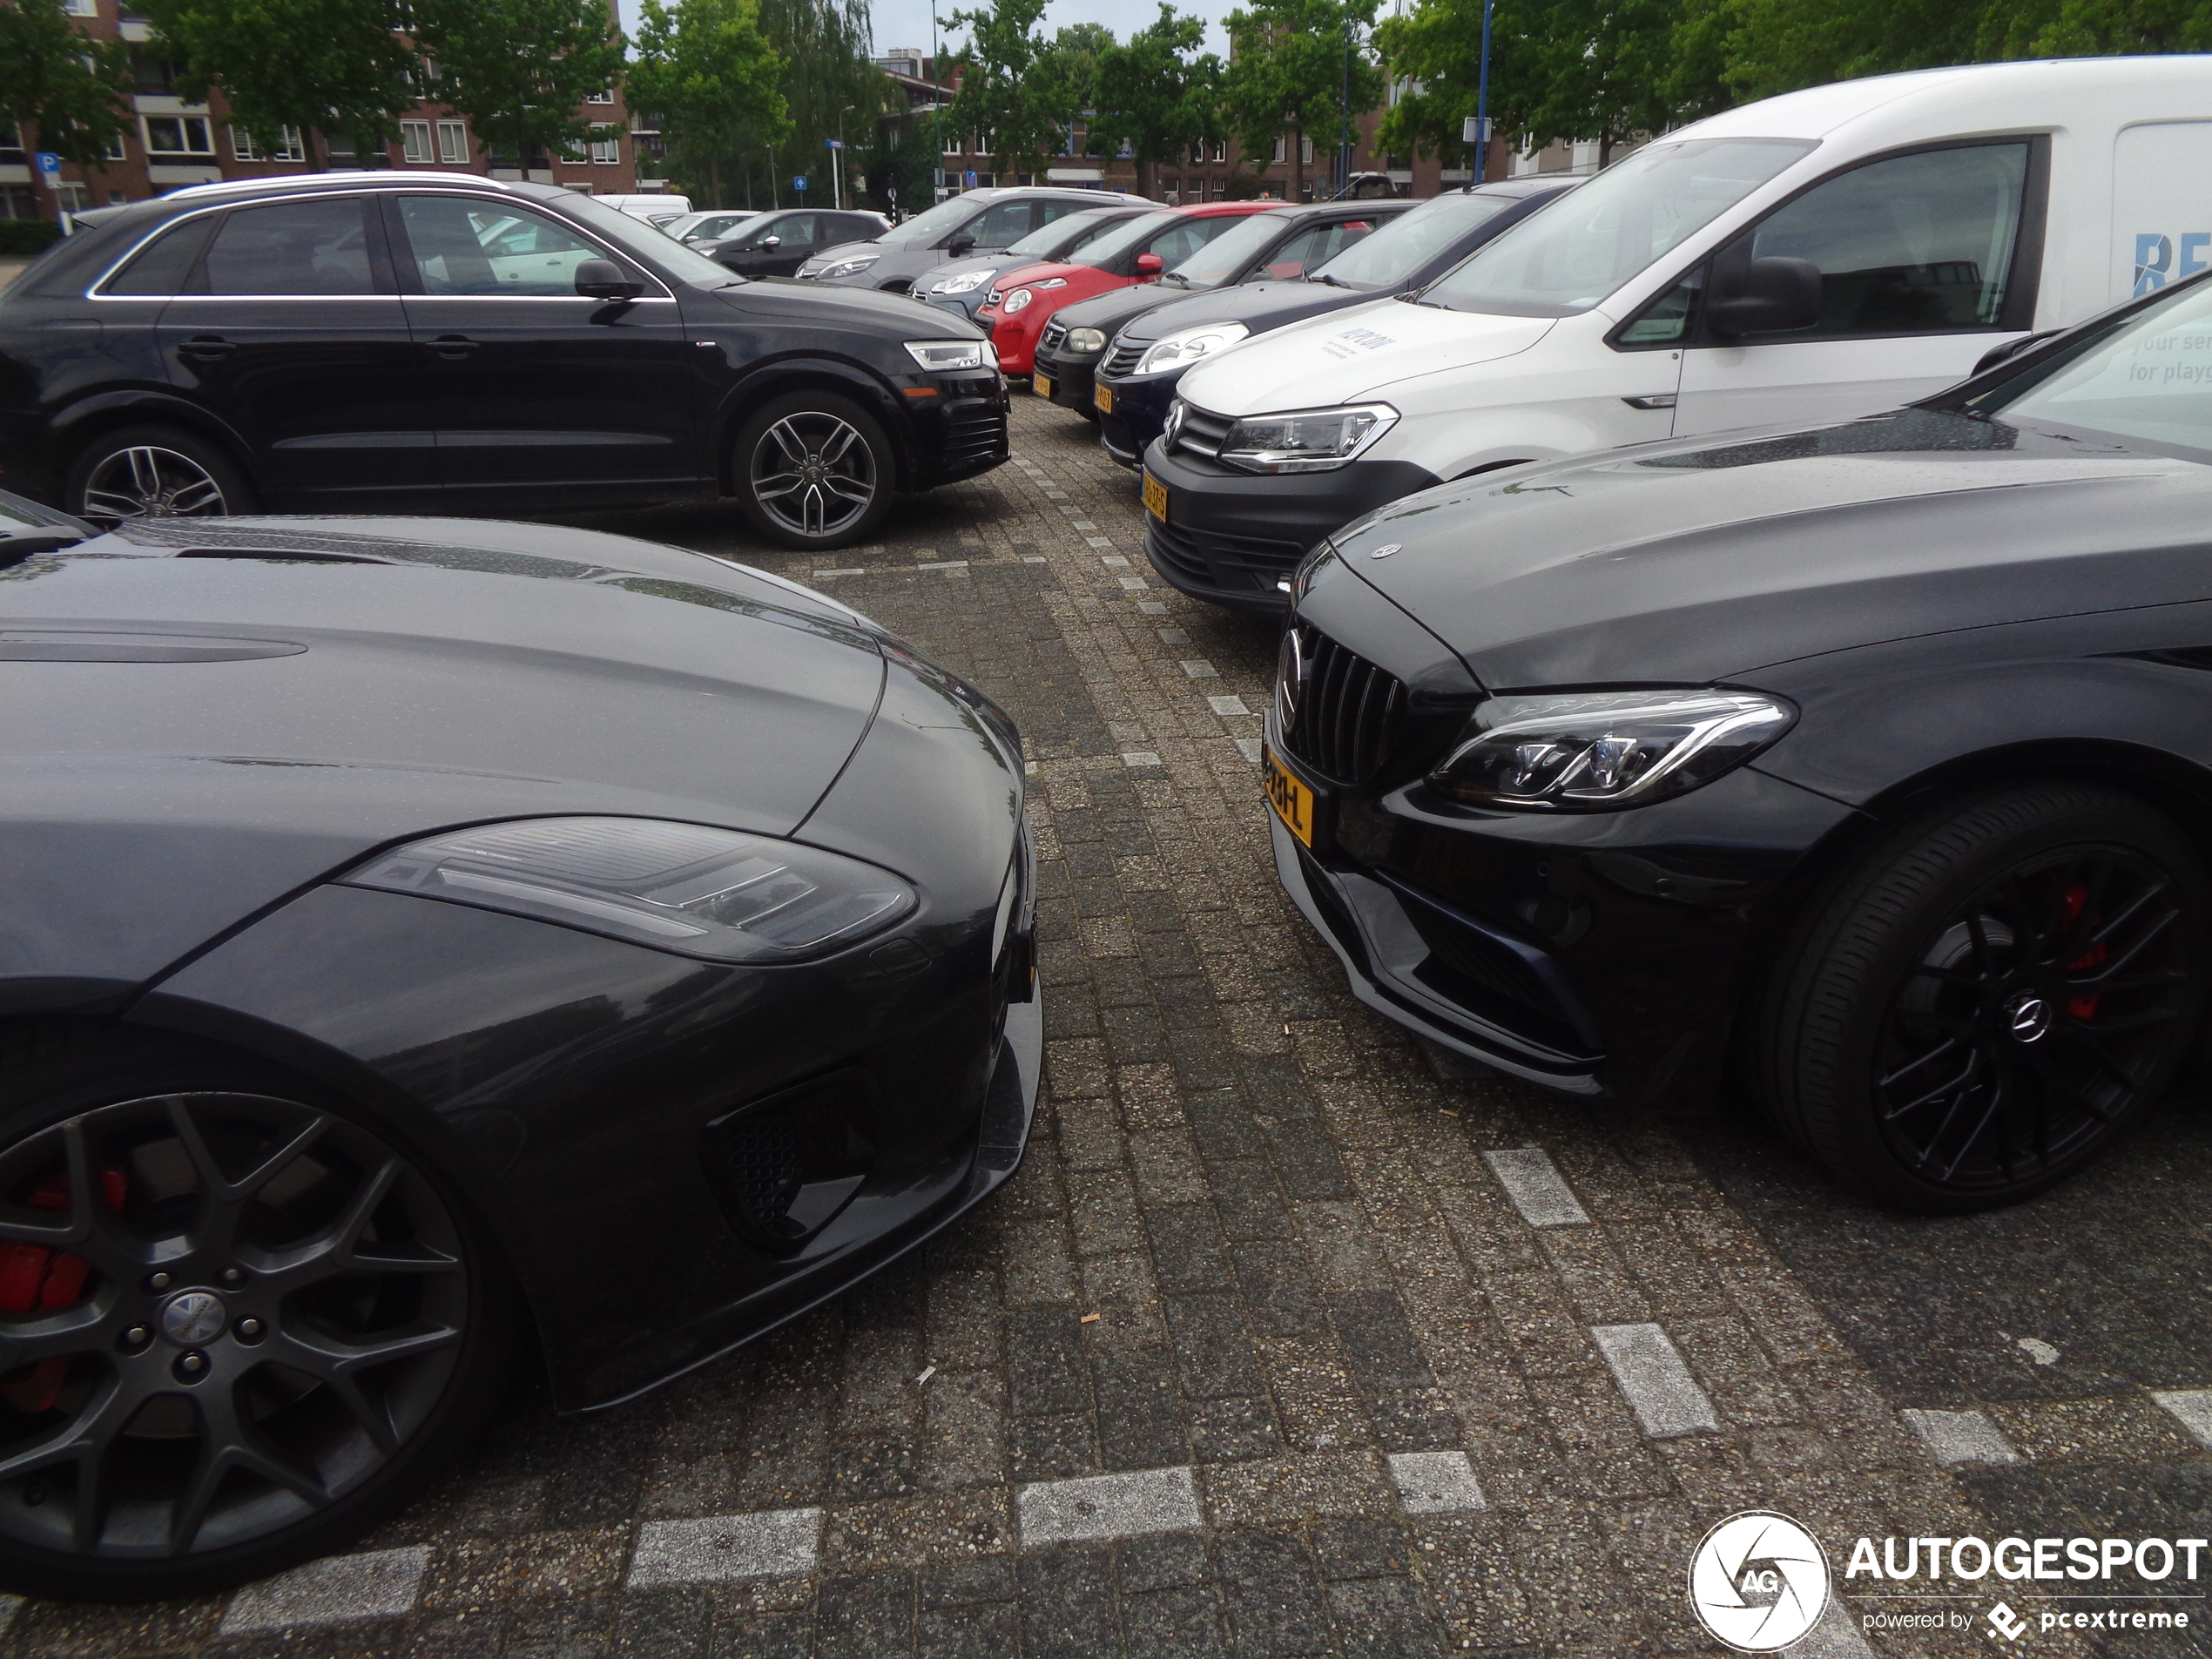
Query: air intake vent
{"points": [[1338, 711], [785, 1166]]}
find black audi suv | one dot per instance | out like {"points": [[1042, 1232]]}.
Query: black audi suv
{"points": [[1867, 767], [436, 343]]}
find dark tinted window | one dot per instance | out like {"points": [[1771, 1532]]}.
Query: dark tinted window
{"points": [[164, 265], [1003, 223], [790, 229], [466, 245], [290, 248]]}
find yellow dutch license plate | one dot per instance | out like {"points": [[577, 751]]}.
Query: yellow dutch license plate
{"points": [[1045, 385], [1292, 801], [1156, 498], [1102, 395]]}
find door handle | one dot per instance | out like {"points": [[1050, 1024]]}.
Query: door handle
{"points": [[453, 347], [209, 346]]}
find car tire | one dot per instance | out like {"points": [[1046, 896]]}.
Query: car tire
{"points": [[237, 1243], [813, 471], [154, 472], [1989, 997]]}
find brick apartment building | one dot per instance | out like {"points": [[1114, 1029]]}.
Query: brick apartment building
{"points": [[172, 142]]}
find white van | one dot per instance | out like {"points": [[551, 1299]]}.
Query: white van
{"points": [[1809, 258], [655, 207]]}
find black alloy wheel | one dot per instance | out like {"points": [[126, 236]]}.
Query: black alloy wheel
{"points": [[814, 471], [237, 1327], [1995, 993], [154, 472]]}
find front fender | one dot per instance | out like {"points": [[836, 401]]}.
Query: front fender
{"points": [[759, 381]]}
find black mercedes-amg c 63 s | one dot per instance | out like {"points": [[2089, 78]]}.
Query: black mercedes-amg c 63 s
{"points": [[419, 937], [1870, 763]]}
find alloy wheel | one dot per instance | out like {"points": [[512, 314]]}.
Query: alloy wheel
{"points": [[2033, 1022], [147, 481], [813, 473], [220, 1314]]}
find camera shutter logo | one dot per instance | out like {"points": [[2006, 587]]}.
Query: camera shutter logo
{"points": [[1758, 1582]]}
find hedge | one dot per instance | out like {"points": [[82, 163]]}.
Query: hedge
{"points": [[23, 236]]}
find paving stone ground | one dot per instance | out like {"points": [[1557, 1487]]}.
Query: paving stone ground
{"points": [[1291, 1338]]}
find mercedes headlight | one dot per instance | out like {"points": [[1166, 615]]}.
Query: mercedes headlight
{"points": [[713, 893], [1306, 440], [940, 356], [1018, 300], [1187, 345], [1086, 341], [853, 267], [966, 282], [1593, 750]]}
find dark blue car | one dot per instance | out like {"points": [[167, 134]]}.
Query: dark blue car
{"points": [[1151, 352]]}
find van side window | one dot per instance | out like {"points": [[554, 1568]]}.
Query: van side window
{"points": [[1916, 244], [1666, 319]]}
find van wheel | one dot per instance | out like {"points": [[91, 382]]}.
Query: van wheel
{"points": [[1993, 996], [814, 470], [154, 472]]}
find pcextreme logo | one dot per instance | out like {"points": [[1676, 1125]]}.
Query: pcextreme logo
{"points": [[1758, 1582]]}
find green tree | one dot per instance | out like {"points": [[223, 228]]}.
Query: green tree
{"points": [[1286, 75], [1074, 58], [318, 66], [1158, 94], [1603, 70], [711, 75], [1435, 50], [1009, 93], [831, 89], [901, 167], [70, 91], [518, 68]]}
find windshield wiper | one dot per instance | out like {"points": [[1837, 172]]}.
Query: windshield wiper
{"points": [[1334, 282]]}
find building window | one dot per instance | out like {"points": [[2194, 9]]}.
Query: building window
{"points": [[152, 77], [1282, 149], [178, 135], [118, 149], [1306, 150], [606, 148], [73, 197], [11, 144], [453, 143], [607, 96], [414, 142], [81, 8], [294, 148], [1221, 149]]}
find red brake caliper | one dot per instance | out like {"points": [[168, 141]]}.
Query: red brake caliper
{"points": [[32, 1276], [2085, 1007]]}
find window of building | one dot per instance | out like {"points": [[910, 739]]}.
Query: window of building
{"points": [[606, 148], [81, 8], [1282, 149], [295, 147], [73, 198], [1221, 149], [453, 143], [119, 148], [178, 135], [11, 144], [152, 77], [414, 141], [1306, 150], [607, 96], [18, 201]]}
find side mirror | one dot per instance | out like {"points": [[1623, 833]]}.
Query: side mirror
{"points": [[1773, 296], [771, 241], [2010, 349], [604, 279], [961, 243], [1150, 265]]}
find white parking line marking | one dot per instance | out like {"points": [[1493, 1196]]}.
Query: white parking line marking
{"points": [[1152, 607], [1436, 1483], [1536, 1187], [1035, 558], [946, 564], [1172, 636], [1140, 758], [1227, 706], [1961, 1437], [717, 1549], [1108, 1505], [338, 1589], [853, 570], [1249, 747], [1132, 583], [1657, 1382], [1098, 541], [1199, 668], [2193, 1406], [1114, 560]]}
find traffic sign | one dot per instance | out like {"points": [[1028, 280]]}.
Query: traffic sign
{"points": [[971, 178], [833, 143], [1473, 130], [799, 181], [50, 169]]}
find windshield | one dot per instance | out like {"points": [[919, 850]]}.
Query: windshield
{"points": [[1578, 251], [1063, 236], [656, 247], [1231, 251], [2148, 382], [931, 223], [1403, 245], [1121, 238]]}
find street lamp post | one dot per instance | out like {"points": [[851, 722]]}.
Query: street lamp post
{"points": [[1343, 134], [1482, 98]]}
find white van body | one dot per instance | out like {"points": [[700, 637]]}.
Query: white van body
{"points": [[655, 207], [2126, 194]]}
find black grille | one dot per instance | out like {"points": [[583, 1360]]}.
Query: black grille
{"points": [[1346, 713], [785, 1166], [974, 436], [1215, 561], [1202, 432], [1054, 333], [1123, 360]]}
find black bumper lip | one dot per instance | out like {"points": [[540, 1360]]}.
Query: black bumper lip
{"points": [[1073, 378], [1140, 415]]}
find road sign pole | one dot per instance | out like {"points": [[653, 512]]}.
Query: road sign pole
{"points": [[1482, 98]]}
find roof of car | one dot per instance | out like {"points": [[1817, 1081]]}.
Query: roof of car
{"points": [[1529, 184]]}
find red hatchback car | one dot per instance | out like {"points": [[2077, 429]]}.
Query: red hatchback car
{"points": [[1136, 252]]}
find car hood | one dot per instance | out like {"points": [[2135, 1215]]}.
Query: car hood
{"points": [[794, 300], [956, 267], [1343, 356], [1113, 310], [204, 718], [1691, 562], [1259, 305]]}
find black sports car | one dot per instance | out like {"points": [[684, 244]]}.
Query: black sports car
{"points": [[421, 936], [1870, 764]]}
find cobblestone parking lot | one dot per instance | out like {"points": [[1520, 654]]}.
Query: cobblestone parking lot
{"points": [[1291, 1337]]}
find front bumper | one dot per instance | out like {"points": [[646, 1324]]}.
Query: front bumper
{"points": [[966, 305], [958, 433], [1141, 406], [1073, 378], [1230, 536]]}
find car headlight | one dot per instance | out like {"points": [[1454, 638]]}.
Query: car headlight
{"points": [[1018, 300], [1593, 750], [1187, 345], [1306, 440], [966, 282], [848, 267], [938, 356], [713, 893], [1086, 341]]}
